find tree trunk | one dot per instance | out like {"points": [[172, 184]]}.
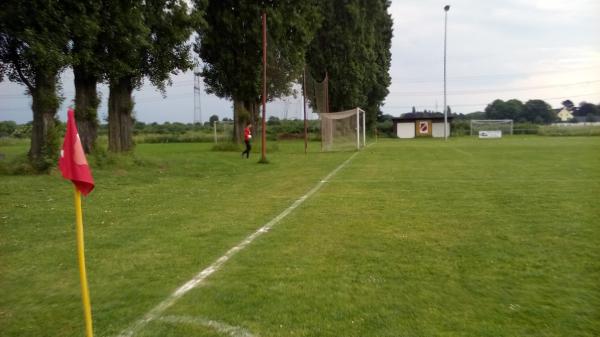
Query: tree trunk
{"points": [[240, 117], [45, 140], [120, 121], [86, 107]]}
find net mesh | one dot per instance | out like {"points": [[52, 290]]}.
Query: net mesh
{"points": [[341, 131], [504, 125], [222, 131], [316, 91]]}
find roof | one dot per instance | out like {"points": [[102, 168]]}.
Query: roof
{"points": [[413, 116]]}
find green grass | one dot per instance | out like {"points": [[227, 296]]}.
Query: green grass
{"points": [[412, 238]]}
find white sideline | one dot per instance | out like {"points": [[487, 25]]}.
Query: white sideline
{"points": [[202, 275], [221, 327]]}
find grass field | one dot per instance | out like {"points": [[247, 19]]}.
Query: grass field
{"points": [[410, 238]]}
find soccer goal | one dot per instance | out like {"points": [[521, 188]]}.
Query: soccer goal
{"points": [[344, 130], [222, 131], [503, 125]]}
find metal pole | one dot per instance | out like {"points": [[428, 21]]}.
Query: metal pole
{"points": [[364, 128], [304, 109], [264, 95], [357, 129], [215, 130], [446, 8]]}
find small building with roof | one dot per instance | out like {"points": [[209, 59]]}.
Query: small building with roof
{"points": [[420, 124]]}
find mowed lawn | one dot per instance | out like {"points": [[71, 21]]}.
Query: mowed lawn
{"points": [[411, 238]]}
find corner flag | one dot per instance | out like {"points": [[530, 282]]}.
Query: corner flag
{"points": [[72, 162], [74, 166]]}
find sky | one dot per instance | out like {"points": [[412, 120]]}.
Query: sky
{"points": [[496, 49]]}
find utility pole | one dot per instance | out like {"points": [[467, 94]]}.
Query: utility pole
{"points": [[263, 158], [197, 94]]}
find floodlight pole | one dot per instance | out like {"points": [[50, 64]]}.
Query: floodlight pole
{"points": [[264, 93], [446, 9]]}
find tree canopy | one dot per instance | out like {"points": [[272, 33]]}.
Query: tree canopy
{"points": [[230, 45], [353, 47]]}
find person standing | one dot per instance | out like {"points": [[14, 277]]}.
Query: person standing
{"points": [[247, 140]]}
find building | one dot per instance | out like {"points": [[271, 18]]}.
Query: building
{"points": [[420, 124], [565, 115]]}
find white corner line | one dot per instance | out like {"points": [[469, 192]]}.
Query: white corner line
{"points": [[155, 312], [233, 331]]}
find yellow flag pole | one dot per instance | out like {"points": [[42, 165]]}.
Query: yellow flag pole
{"points": [[87, 311]]}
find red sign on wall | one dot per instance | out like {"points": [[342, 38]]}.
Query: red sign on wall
{"points": [[423, 128]]}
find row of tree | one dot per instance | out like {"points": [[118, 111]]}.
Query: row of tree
{"points": [[123, 43], [535, 110], [117, 42]]}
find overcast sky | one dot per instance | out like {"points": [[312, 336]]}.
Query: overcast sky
{"points": [[524, 49]]}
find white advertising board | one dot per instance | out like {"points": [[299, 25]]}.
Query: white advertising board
{"points": [[490, 134]]}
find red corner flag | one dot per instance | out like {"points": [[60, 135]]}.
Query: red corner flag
{"points": [[72, 162]]}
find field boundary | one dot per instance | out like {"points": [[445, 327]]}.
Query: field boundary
{"points": [[157, 311]]}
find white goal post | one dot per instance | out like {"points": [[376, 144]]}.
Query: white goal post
{"points": [[342, 129], [503, 125]]}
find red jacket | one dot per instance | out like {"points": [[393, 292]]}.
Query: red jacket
{"points": [[247, 134]]}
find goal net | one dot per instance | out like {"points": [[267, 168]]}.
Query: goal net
{"points": [[503, 125], [222, 131], [343, 130]]}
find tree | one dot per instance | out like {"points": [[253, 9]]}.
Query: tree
{"points": [[141, 39], [569, 105], [588, 109], [213, 119], [538, 111], [7, 128], [499, 109], [33, 40], [353, 47], [230, 47], [84, 30]]}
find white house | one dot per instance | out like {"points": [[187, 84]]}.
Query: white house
{"points": [[565, 115]]}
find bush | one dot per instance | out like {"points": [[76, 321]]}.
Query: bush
{"points": [[460, 128], [570, 130], [525, 128], [385, 129]]}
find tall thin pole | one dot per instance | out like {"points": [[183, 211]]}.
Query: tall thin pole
{"points": [[215, 130], [85, 294], [364, 128], [357, 129], [446, 8], [304, 109], [264, 95]]}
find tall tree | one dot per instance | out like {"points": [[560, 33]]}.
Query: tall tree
{"points": [[139, 39], [499, 109], [84, 30], [33, 40], [538, 111], [230, 47], [353, 47], [587, 109]]}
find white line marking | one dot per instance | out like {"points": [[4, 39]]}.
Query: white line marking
{"points": [[233, 331], [155, 312]]}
